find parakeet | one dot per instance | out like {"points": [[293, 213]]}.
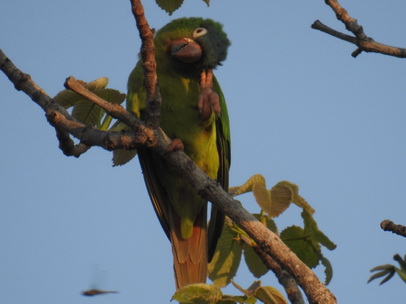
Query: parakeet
{"points": [[193, 111]]}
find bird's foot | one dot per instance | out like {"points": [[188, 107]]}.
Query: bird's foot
{"points": [[175, 145], [209, 101]]}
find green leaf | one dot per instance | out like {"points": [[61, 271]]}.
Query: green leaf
{"points": [[247, 186], [270, 295], [311, 229], [401, 274], [111, 95], [254, 262], [226, 259], [384, 270], [68, 98], [281, 197], [306, 243], [88, 113], [389, 271], [106, 122], [274, 201], [169, 5], [99, 83], [310, 225], [402, 262], [306, 250], [91, 114], [297, 199], [121, 156], [198, 294], [324, 240], [262, 196], [328, 271]]}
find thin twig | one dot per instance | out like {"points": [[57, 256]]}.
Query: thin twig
{"points": [[324, 28], [67, 145], [361, 40]]}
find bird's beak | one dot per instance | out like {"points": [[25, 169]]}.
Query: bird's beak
{"points": [[186, 50]]}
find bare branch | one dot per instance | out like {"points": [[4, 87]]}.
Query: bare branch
{"points": [[318, 25], [23, 82], [361, 40], [388, 225], [149, 65], [66, 144]]}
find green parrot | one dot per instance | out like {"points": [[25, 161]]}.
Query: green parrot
{"points": [[194, 114]]}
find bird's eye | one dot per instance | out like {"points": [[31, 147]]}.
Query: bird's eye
{"points": [[200, 31]]}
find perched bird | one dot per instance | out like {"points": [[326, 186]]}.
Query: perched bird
{"points": [[193, 111]]}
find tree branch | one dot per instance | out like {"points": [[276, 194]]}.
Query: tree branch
{"points": [[153, 110], [388, 225], [361, 40], [284, 278], [115, 110], [65, 125]]}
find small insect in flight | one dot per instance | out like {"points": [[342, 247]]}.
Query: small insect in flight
{"points": [[95, 292], [96, 275]]}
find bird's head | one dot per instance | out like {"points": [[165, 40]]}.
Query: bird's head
{"points": [[193, 44]]}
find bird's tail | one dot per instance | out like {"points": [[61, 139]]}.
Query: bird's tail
{"points": [[190, 255]]}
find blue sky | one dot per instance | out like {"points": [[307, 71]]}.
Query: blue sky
{"points": [[302, 109]]}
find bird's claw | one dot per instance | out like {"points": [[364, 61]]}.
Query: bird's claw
{"points": [[175, 145], [209, 101]]}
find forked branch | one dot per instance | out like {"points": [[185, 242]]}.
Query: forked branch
{"points": [[360, 39]]}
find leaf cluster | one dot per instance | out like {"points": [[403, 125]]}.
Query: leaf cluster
{"points": [[306, 242], [86, 111], [211, 294], [388, 271]]}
